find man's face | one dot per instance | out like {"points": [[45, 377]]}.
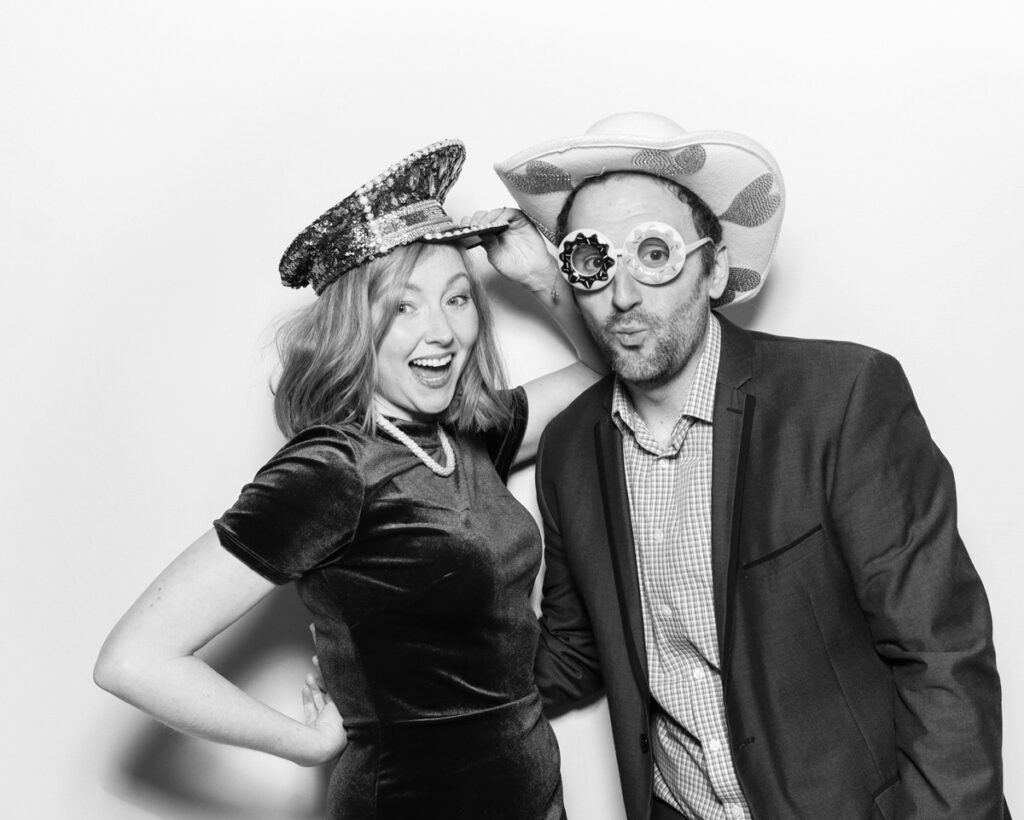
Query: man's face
{"points": [[648, 333]]}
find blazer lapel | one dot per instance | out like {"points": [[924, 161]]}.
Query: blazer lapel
{"points": [[619, 527], [733, 419]]}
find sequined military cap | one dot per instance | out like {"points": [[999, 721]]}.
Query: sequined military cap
{"points": [[401, 205]]}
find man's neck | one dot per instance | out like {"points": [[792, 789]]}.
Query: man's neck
{"points": [[659, 405]]}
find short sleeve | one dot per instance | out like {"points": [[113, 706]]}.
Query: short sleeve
{"points": [[300, 511], [503, 443]]}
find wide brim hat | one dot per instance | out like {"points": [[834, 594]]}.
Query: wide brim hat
{"points": [[399, 206], [736, 176]]}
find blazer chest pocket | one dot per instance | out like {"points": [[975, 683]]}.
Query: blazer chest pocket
{"points": [[785, 556]]}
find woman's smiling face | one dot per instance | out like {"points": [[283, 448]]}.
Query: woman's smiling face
{"points": [[425, 350]]}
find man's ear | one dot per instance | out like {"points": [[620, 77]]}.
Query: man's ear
{"points": [[719, 276]]}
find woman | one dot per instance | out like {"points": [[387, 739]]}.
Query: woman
{"points": [[387, 507]]}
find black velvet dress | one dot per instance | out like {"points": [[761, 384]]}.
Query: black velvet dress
{"points": [[419, 587]]}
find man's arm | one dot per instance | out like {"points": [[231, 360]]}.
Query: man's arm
{"points": [[567, 666], [893, 504]]}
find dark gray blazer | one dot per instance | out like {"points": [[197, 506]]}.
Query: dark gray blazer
{"points": [[855, 635]]}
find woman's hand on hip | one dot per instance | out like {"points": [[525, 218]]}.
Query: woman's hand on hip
{"points": [[322, 715]]}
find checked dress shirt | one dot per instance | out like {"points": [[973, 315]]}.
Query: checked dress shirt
{"points": [[670, 504]]}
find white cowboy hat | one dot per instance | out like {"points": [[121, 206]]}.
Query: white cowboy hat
{"points": [[737, 178]]}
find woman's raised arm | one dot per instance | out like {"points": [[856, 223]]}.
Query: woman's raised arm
{"points": [[521, 255]]}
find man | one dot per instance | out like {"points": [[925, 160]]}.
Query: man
{"points": [[751, 541]]}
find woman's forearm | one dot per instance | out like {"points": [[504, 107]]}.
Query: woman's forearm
{"points": [[188, 695], [521, 255], [555, 295]]}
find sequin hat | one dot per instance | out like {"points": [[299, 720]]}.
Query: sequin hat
{"points": [[737, 178], [397, 207]]}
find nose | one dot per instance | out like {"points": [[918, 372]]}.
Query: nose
{"points": [[625, 291], [438, 329]]}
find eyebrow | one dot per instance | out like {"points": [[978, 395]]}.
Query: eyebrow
{"points": [[448, 284]]}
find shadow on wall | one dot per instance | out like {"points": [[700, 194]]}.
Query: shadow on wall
{"points": [[267, 653]]}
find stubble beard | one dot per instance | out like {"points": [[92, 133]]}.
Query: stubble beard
{"points": [[673, 342]]}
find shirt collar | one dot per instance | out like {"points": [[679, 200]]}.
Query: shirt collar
{"points": [[700, 402]]}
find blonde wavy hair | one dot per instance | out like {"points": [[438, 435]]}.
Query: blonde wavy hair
{"points": [[328, 353]]}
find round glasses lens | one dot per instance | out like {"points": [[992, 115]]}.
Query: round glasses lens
{"points": [[653, 252], [587, 260]]}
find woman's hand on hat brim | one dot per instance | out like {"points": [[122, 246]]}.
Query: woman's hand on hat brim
{"points": [[520, 253]]}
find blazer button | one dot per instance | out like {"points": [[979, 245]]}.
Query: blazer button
{"points": [[644, 744]]}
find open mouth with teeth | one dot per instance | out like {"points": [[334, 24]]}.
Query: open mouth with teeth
{"points": [[433, 371]]}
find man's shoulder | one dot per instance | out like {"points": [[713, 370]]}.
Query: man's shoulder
{"points": [[770, 343], [828, 359]]}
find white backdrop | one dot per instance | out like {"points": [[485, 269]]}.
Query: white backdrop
{"points": [[157, 159]]}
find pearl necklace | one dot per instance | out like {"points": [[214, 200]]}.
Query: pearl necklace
{"points": [[419, 452]]}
